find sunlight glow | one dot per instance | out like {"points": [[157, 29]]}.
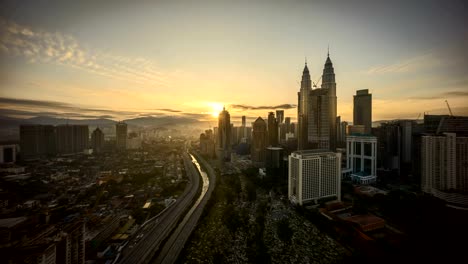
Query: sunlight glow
{"points": [[215, 108]]}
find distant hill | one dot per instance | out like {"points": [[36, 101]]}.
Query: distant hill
{"points": [[47, 120], [147, 121], [158, 121]]}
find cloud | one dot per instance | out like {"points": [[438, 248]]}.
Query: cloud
{"points": [[408, 65], [250, 107], [39, 46], [26, 108], [442, 95], [52, 108], [168, 110], [29, 114]]}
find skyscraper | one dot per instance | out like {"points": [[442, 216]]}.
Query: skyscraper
{"points": [[287, 121], [224, 135], [97, 140], [121, 135], [259, 140], [303, 110], [317, 111], [362, 110], [243, 131], [272, 130], [279, 116]]}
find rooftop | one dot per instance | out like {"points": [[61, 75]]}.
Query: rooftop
{"points": [[364, 220], [11, 222], [312, 152]]}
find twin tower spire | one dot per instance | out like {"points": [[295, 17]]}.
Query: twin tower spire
{"points": [[328, 75]]}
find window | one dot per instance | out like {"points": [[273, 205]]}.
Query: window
{"points": [[357, 148], [368, 149]]}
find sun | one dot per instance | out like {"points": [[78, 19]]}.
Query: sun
{"points": [[215, 108]]}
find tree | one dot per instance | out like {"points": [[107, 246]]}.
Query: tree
{"points": [[284, 231]]}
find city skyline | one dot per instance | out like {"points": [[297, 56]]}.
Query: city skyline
{"points": [[67, 60]]}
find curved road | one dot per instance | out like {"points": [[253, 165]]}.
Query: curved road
{"points": [[154, 233], [176, 242]]}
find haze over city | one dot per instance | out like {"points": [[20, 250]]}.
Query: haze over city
{"points": [[233, 131], [176, 58]]}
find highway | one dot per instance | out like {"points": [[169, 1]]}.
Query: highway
{"points": [[176, 242], [147, 241]]}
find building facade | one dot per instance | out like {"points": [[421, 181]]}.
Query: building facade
{"points": [[361, 159], [314, 175], [362, 110], [121, 135], [37, 140], [223, 141], [272, 130], [279, 116], [97, 140], [72, 138], [259, 140], [8, 153], [207, 144], [444, 173]]}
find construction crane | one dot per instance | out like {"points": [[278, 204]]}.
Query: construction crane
{"points": [[315, 83], [448, 106]]}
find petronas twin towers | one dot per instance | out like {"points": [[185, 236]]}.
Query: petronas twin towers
{"points": [[316, 111]]}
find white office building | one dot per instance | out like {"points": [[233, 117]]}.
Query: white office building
{"points": [[314, 175], [361, 159]]}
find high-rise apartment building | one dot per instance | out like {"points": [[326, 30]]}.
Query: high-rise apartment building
{"points": [[65, 139], [121, 135], [223, 141], [80, 138], [72, 138], [40, 140], [317, 111], [314, 175], [444, 170], [207, 145], [37, 140], [97, 140], [259, 140], [71, 247], [362, 110], [32, 140]]}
